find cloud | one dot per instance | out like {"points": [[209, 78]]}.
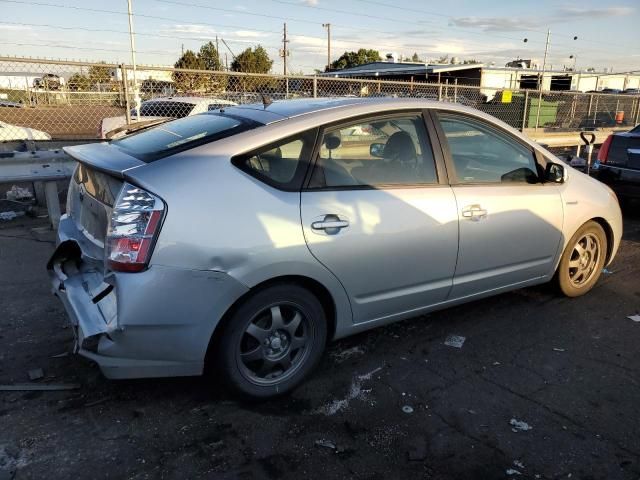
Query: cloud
{"points": [[500, 24], [595, 12], [250, 34], [15, 28], [311, 3]]}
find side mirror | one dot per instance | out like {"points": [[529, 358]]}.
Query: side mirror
{"points": [[376, 149], [554, 172]]}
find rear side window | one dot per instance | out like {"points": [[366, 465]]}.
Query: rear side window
{"points": [[180, 135], [165, 109], [281, 164]]}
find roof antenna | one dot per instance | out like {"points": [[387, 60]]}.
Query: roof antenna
{"points": [[266, 100]]}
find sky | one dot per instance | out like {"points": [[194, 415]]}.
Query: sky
{"points": [[485, 30]]}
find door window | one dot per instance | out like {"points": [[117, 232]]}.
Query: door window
{"points": [[482, 154], [379, 151]]}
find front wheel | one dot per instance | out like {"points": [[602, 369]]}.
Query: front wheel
{"points": [[582, 261], [272, 341]]}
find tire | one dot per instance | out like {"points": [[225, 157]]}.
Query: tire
{"points": [[271, 342], [582, 260]]}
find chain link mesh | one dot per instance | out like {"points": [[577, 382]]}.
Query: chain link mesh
{"points": [[57, 100]]}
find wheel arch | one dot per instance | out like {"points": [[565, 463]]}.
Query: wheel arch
{"points": [[609, 233]]}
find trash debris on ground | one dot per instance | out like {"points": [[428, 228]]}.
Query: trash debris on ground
{"points": [[36, 374], [97, 402], [16, 193], [418, 451], [512, 471], [407, 409], [10, 215], [518, 464], [472, 412], [326, 444], [355, 391], [606, 271], [347, 354], [555, 349], [20, 387], [635, 318], [519, 425], [495, 364], [60, 355], [455, 341]]}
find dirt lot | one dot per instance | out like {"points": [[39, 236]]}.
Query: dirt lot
{"points": [[569, 368]]}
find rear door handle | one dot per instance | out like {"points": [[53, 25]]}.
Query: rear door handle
{"points": [[474, 212], [331, 224]]}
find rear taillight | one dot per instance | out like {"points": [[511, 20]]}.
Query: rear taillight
{"points": [[603, 153], [133, 229]]}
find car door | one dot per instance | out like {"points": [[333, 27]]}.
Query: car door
{"points": [[510, 221], [377, 211]]}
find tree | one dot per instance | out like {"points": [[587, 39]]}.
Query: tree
{"points": [[353, 59], [78, 82], [210, 57], [415, 57], [252, 61], [99, 74], [189, 81]]}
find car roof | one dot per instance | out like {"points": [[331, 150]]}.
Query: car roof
{"points": [[284, 109], [193, 100]]}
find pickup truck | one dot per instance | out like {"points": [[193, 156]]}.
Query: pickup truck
{"points": [[619, 159]]}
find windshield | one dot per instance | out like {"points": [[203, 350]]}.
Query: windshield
{"points": [[165, 109], [182, 134]]}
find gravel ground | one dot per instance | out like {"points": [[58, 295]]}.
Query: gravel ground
{"points": [[543, 387]]}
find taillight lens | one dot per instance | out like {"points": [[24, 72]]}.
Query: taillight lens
{"points": [[134, 226], [603, 153]]}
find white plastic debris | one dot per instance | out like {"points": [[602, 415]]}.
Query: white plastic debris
{"points": [[10, 215], [16, 193], [635, 318], [559, 349], [518, 464], [606, 271], [407, 409], [519, 425], [512, 471], [455, 341], [326, 444]]}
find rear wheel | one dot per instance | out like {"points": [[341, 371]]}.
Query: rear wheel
{"points": [[272, 341], [582, 260]]}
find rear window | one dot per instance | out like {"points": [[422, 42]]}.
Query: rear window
{"points": [[183, 134], [165, 109]]}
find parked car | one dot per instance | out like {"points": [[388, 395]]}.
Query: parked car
{"points": [[619, 163], [243, 240], [9, 132], [161, 108], [631, 91]]}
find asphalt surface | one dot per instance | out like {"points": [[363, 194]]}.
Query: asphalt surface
{"points": [[395, 402]]}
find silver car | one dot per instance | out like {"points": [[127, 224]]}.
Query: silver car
{"points": [[243, 240]]}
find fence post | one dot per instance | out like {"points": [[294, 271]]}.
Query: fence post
{"points": [[590, 103], [315, 87], [125, 87], [595, 111], [439, 92], [637, 112], [524, 110], [455, 90]]}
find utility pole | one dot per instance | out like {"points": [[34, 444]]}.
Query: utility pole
{"points": [[284, 53], [328, 27], [541, 77], [136, 93], [218, 49]]}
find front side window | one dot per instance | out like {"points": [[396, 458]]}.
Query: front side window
{"points": [[482, 154], [379, 151], [281, 164]]}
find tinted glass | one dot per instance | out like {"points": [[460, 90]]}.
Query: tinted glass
{"points": [[279, 163], [378, 151], [180, 135], [482, 154], [165, 109]]}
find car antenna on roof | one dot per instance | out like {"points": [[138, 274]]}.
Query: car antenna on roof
{"points": [[266, 100]]}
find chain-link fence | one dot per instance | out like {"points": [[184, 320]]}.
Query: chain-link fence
{"points": [[61, 100]]}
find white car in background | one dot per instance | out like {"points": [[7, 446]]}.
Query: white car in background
{"points": [[9, 133], [151, 111]]}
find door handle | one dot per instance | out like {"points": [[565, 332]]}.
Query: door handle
{"points": [[474, 212], [331, 224]]}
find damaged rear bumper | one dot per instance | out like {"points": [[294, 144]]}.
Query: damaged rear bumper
{"points": [[154, 323]]}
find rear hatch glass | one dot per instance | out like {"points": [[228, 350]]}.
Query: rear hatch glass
{"points": [[182, 134], [165, 109]]}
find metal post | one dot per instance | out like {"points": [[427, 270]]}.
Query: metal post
{"points": [[595, 110], [590, 103], [328, 27], [53, 203], [637, 112], [125, 84], [439, 91], [455, 90], [315, 87], [524, 110], [544, 64], [136, 94]]}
